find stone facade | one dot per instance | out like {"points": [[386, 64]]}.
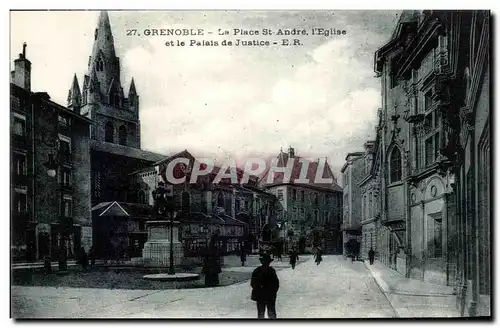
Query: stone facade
{"points": [[435, 153], [44, 208], [370, 200], [307, 211], [353, 171]]}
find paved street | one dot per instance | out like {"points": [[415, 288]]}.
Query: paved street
{"points": [[337, 288]]}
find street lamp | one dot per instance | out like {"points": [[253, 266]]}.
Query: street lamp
{"points": [[52, 165]]}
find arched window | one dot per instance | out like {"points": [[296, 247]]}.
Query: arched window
{"points": [[109, 132], [395, 163], [115, 99], [99, 65], [122, 135]]}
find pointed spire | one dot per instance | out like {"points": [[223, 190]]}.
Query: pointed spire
{"points": [[103, 64], [75, 87], [74, 94], [132, 90], [103, 38]]}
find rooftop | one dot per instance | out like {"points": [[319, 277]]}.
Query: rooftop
{"points": [[120, 150]]}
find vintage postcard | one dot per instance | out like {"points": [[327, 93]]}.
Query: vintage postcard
{"points": [[250, 164]]}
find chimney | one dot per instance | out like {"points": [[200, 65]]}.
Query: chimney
{"points": [[21, 75], [291, 152]]}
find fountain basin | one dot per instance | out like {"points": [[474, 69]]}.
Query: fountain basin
{"points": [[181, 276]]}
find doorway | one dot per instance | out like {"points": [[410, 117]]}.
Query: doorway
{"points": [[43, 245]]}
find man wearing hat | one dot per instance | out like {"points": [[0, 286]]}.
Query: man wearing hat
{"points": [[265, 285]]}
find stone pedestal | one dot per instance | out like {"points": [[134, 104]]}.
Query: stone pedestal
{"points": [[156, 251]]}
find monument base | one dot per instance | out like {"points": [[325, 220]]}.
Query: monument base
{"points": [[156, 251]]}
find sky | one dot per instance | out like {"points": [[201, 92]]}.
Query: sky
{"points": [[321, 98]]}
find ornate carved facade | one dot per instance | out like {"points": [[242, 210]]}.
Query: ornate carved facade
{"points": [[435, 76]]}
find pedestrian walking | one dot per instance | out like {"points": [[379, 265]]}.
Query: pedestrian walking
{"points": [[243, 255], [371, 255], [92, 256], [294, 257], [279, 253], [83, 258], [265, 285], [318, 256]]}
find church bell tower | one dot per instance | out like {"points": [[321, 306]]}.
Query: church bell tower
{"points": [[116, 117]]}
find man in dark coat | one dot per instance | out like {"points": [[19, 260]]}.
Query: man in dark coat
{"points": [[243, 255], [212, 266], [294, 257], [318, 256], [371, 255], [265, 285]]}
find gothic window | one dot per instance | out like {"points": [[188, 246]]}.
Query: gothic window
{"points": [[99, 65], [109, 132], [122, 135], [370, 206], [115, 99], [395, 165]]}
